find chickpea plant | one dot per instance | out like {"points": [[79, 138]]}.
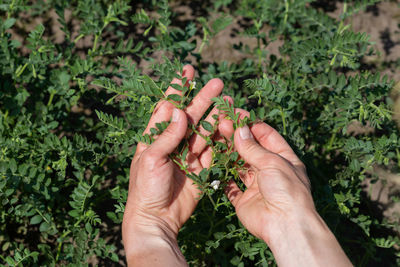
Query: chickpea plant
{"points": [[80, 80]]}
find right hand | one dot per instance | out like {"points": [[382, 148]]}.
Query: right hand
{"points": [[277, 184], [277, 205]]}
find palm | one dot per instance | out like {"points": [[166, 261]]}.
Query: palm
{"points": [[159, 188], [185, 194], [271, 191], [255, 210]]}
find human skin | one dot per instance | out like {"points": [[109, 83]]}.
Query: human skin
{"points": [[276, 207], [161, 198]]}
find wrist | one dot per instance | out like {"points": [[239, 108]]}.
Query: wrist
{"points": [[305, 240], [149, 241], [301, 223]]}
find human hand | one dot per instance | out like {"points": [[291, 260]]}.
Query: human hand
{"points": [[161, 198], [276, 180], [277, 205]]}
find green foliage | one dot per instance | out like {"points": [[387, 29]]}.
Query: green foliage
{"points": [[73, 109]]}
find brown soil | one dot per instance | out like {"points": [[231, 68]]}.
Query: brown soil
{"points": [[381, 22]]}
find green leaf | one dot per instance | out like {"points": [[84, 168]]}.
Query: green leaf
{"points": [[10, 261], [74, 213], [114, 257], [177, 86], [219, 235], [153, 86], [8, 23], [207, 126], [146, 32], [111, 215], [88, 227], [273, 113], [253, 116], [231, 227], [175, 97], [13, 165], [64, 77], [203, 175], [235, 260], [221, 23], [44, 227], [234, 156], [36, 219]]}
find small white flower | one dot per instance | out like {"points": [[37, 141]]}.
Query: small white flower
{"points": [[192, 84], [215, 184]]}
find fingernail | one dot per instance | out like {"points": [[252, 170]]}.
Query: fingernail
{"points": [[245, 133], [225, 97], [175, 115]]}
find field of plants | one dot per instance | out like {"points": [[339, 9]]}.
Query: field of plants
{"points": [[81, 78]]}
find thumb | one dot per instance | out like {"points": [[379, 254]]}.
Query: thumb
{"points": [[167, 142], [249, 149]]}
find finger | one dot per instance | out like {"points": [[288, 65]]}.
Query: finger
{"points": [[163, 110], [162, 113], [225, 127], [205, 157], [248, 148], [270, 139], [202, 101], [261, 158], [167, 142], [187, 72], [197, 142], [247, 175], [233, 192], [193, 163]]}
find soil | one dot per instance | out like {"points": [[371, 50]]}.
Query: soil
{"points": [[381, 22]]}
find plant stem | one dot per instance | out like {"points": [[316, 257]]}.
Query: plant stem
{"points": [[283, 120], [331, 140], [212, 201], [96, 39], [203, 42], [286, 11], [60, 244], [41, 215], [10, 9], [50, 99]]}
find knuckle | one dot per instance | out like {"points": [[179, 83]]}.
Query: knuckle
{"points": [[302, 166], [169, 133], [251, 147], [295, 188], [158, 106], [306, 181], [148, 159], [275, 161], [162, 106]]}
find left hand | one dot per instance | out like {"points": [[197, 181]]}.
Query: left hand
{"points": [[161, 198]]}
